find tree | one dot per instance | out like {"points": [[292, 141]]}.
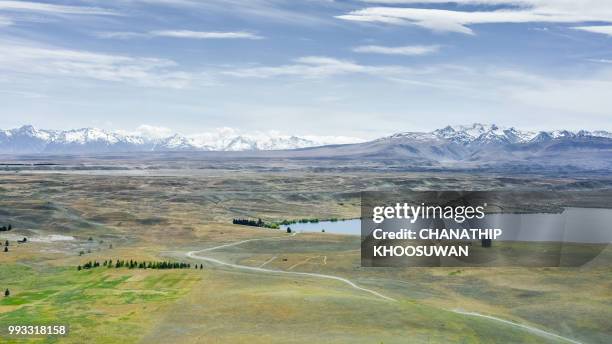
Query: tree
{"points": [[201, 266], [10, 227], [5, 249], [288, 229], [7, 293], [6, 243], [79, 268]]}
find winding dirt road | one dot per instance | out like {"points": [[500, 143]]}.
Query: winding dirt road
{"points": [[196, 255]]}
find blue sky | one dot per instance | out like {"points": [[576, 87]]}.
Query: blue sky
{"points": [[314, 67]]}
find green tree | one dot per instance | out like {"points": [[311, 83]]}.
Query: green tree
{"points": [[7, 293]]}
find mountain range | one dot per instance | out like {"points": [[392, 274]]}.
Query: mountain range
{"points": [[480, 146], [28, 139], [476, 144]]}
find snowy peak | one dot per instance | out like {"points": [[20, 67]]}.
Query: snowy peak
{"points": [[483, 134], [28, 139], [479, 133], [85, 135], [175, 142], [451, 140]]}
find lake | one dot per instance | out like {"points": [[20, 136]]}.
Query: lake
{"points": [[350, 227], [580, 225]]}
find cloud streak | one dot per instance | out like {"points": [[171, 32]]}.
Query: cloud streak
{"points": [[20, 57], [205, 35], [603, 29], [4, 21], [512, 11], [51, 8], [187, 34], [314, 67], [273, 10], [409, 50]]}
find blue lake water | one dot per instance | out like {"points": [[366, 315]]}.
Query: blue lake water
{"points": [[351, 227], [581, 225]]}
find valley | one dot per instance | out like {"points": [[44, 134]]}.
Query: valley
{"points": [[263, 285]]}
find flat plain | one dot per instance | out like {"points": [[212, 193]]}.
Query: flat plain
{"points": [[75, 215]]}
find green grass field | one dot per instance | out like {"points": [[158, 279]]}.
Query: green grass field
{"points": [[162, 218]]}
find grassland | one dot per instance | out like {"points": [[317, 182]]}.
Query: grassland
{"points": [[153, 217]]}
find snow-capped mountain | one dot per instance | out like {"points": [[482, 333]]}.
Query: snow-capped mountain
{"points": [[28, 139], [476, 142], [482, 134]]}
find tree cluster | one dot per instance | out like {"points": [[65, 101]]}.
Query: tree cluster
{"points": [[255, 223], [6, 228], [248, 222], [133, 264], [290, 222]]}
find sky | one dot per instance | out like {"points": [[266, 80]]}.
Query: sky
{"points": [[360, 68]]}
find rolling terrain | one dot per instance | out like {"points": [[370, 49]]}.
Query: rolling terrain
{"points": [[262, 285]]}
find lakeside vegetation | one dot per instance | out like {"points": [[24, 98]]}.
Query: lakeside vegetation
{"points": [[276, 225], [133, 264], [255, 223]]}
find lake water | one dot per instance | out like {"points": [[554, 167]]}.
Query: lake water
{"points": [[351, 227], [580, 225]]}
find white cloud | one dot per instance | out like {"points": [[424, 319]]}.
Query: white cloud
{"points": [[205, 35], [514, 11], [222, 137], [603, 29], [317, 67], [409, 50], [586, 95], [333, 140], [4, 21], [121, 35], [27, 58], [181, 34], [155, 132], [51, 8], [600, 60], [276, 10], [10, 8]]}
